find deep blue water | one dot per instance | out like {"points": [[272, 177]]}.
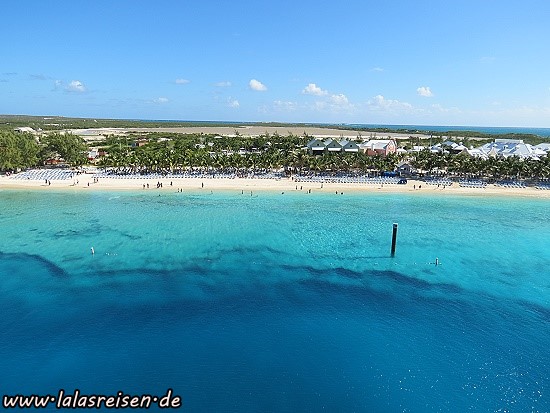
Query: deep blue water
{"points": [[278, 303]]}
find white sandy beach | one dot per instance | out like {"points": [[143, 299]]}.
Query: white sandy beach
{"points": [[86, 183]]}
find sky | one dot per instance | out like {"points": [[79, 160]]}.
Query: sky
{"points": [[395, 62]]}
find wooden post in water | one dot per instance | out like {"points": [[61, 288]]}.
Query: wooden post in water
{"points": [[393, 239]]}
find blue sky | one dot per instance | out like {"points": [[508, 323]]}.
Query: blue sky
{"points": [[469, 62]]}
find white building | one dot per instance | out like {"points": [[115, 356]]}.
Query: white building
{"points": [[504, 148]]}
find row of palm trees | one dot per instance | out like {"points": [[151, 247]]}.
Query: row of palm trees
{"points": [[264, 153], [286, 153], [166, 158], [463, 165]]}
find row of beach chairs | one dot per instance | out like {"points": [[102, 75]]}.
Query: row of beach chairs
{"points": [[472, 184], [200, 175], [510, 184], [439, 181], [347, 179], [44, 175]]}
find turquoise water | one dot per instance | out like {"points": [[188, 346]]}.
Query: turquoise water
{"points": [[495, 130], [278, 302]]}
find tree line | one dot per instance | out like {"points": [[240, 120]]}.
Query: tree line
{"points": [[23, 150], [168, 153]]}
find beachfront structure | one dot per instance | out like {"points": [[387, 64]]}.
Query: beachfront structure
{"points": [[140, 142], [505, 148], [371, 147], [381, 147], [349, 146], [543, 147], [25, 129], [448, 147], [332, 145], [316, 147], [404, 168], [93, 153]]}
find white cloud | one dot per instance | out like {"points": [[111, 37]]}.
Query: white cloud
{"points": [[71, 87], [182, 81], [377, 69], [379, 102], [339, 100], [257, 85], [437, 108], [74, 86], [313, 89], [233, 103], [160, 100], [222, 84], [39, 77], [424, 91], [335, 104], [285, 105]]}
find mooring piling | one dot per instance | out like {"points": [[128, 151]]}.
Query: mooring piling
{"points": [[393, 239]]}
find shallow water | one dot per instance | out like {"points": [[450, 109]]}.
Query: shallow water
{"points": [[278, 302]]}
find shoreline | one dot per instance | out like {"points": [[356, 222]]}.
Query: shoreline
{"points": [[87, 182]]}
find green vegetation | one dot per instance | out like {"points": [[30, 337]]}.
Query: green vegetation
{"points": [[17, 151], [52, 123], [22, 150], [69, 147], [465, 166], [173, 152], [233, 154]]}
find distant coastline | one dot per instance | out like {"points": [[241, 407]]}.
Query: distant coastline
{"points": [[8, 122]]}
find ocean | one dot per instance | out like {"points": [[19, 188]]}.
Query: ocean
{"points": [[278, 302], [492, 130]]}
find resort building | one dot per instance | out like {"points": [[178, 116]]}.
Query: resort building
{"points": [[504, 148], [140, 142], [318, 147], [315, 147], [378, 147], [404, 168], [25, 129], [544, 147], [332, 145], [448, 147], [349, 146]]}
